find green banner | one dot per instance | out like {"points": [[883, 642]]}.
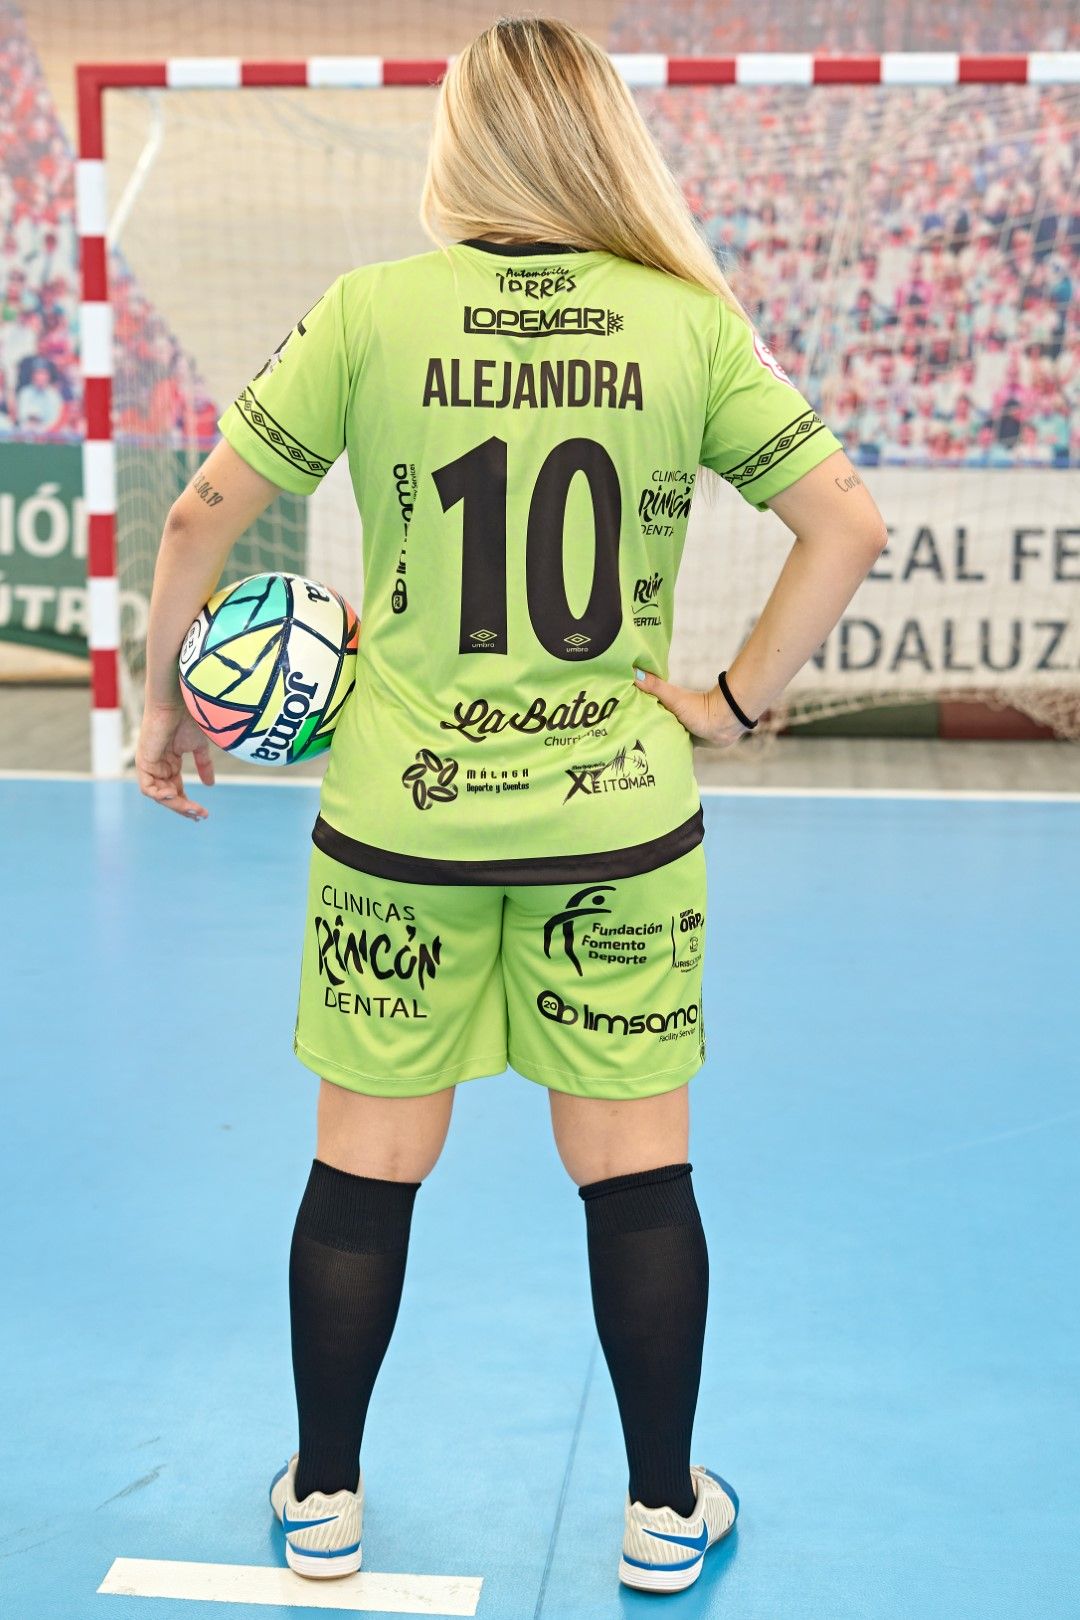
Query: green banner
{"points": [[43, 529], [42, 547]]}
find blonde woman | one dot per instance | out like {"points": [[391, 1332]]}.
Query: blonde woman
{"points": [[508, 862]]}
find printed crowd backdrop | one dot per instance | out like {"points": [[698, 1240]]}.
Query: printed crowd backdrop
{"points": [[911, 257]]}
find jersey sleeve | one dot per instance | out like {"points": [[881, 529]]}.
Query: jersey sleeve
{"points": [[760, 433], [289, 422]]}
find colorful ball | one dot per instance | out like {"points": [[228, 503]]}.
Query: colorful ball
{"points": [[267, 666]]}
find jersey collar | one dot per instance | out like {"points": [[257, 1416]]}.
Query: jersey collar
{"points": [[518, 249]]}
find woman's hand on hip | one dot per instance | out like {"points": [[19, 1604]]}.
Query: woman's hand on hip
{"points": [[168, 733], [705, 715]]}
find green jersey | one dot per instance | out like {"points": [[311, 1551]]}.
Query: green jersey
{"points": [[523, 431]]}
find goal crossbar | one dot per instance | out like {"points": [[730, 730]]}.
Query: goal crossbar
{"points": [[908, 69]]}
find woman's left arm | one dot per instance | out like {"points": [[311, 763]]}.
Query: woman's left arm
{"points": [[839, 535], [222, 500]]}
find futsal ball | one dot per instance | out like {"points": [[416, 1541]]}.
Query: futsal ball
{"points": [[267, 666]]}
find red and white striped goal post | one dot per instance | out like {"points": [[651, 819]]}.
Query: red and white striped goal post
{"points": [[906, 69]]}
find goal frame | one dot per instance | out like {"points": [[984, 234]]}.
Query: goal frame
{"points": [[907, 69]]}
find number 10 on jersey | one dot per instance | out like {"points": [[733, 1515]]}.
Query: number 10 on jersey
{"points": [[478, 480]]}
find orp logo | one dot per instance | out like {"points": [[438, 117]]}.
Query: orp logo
{"points": [[552, 1005]]}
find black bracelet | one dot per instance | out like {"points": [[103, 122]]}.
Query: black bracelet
{"points": [[743, 719]]}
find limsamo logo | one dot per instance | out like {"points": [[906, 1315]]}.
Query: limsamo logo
{"points": [[405, 484], [552, 1005], [298, 699]]}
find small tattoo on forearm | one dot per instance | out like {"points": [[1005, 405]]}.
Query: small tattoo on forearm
{"points": [[848, 482], [205, 490]]}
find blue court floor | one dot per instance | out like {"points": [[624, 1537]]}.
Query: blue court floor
{"points": [[886, 1154]]}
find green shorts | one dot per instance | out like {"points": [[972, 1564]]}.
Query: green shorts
{"points": [[594, 989]]}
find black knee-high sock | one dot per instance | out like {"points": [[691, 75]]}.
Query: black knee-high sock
{"points": [[649, 1267], [346, 1269]]}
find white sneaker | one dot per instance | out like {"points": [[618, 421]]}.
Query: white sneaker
{"points": [[322, 1533], [663, 1552]]}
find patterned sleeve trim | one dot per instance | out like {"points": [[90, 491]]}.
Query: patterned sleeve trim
{"points": [[775, 450], [279, 439]]}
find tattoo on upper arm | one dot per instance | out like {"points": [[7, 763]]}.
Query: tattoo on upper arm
{"points": [[849, 481], [205, 490]]}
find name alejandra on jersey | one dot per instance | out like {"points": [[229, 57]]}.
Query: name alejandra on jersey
{"points": [[511, 384]]}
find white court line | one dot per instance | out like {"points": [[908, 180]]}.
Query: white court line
{"points": [[256, 1583], [272, 779], [945, 795], [228, 781], [969, 795], [45, 776]]}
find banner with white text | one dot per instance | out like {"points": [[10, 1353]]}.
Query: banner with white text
{"points": [[979, 587]]}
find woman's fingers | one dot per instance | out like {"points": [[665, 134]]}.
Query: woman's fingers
{"points": [[697, 711], [178, 801], [687, 706], [155, 779], [204, 764], [161, 781]]}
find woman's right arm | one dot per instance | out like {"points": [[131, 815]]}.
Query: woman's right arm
{"points": [[839, 535], [222, 500]]}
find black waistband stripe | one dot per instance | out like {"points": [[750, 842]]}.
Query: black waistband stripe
{"points": [[613, 863]]}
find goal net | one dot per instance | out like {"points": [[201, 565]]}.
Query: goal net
{"points": [[908, 253]]}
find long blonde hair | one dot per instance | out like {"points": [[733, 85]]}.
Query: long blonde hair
{"points": [[537, 137]]}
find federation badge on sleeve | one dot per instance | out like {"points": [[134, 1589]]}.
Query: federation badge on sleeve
{"points": [[770, 362]]}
